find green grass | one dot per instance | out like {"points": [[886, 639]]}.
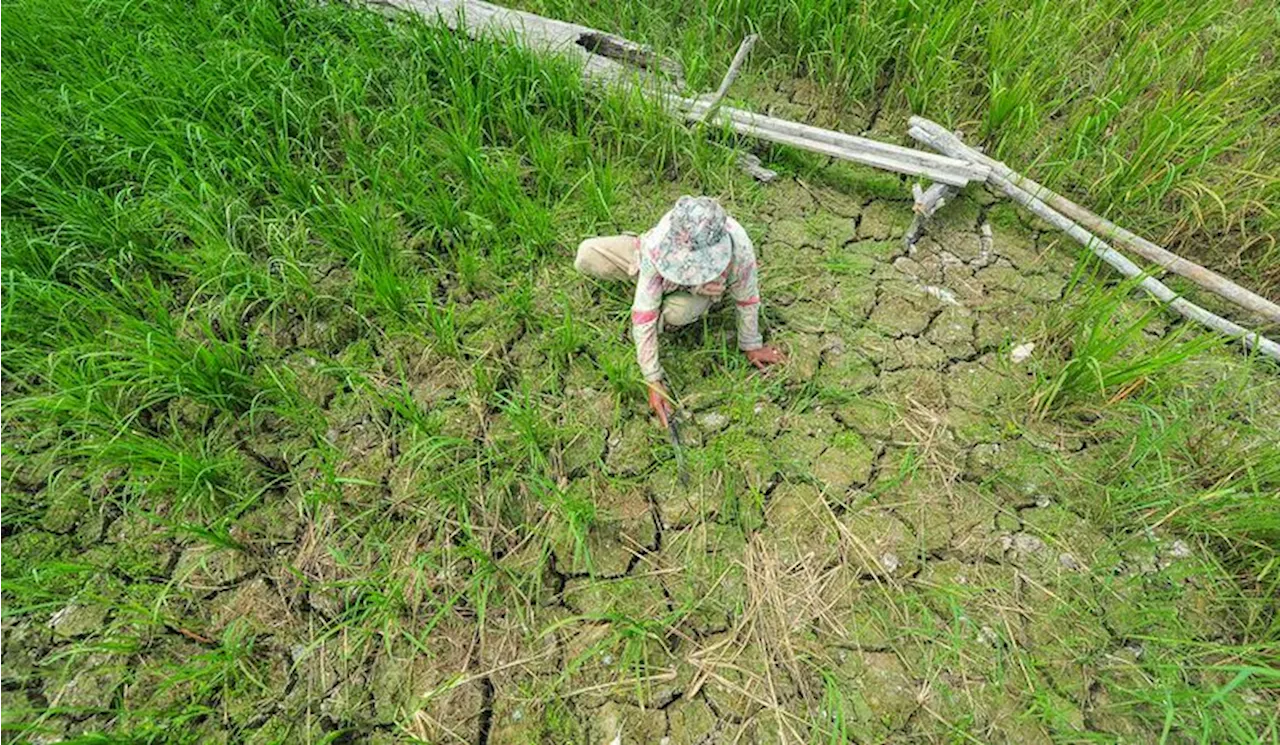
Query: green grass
{"points": [[1106, 355], [312, 434]]}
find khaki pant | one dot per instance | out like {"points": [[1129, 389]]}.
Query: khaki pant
{"points": [[615, 257]]}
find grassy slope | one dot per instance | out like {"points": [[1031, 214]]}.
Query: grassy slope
{"points": [[299, 392], [1161, 114]]}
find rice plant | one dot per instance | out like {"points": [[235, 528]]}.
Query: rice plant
{"points": [[1107, 356]]}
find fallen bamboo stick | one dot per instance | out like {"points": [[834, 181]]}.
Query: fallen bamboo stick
{"points": [[927, 202], [618, 48], [951, 146], [959, 172], [883, 162], [754, 168], [482, 20], [734, 68], [1104, 228]]}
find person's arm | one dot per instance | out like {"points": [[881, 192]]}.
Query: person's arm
{"points": [[644, 320], [644, 329], [744, 287]]}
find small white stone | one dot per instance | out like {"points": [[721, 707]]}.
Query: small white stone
{"points": [[608, 659], [1025, 543], [986, 450], [941, 293], [1042, 501], [890, 561], [988, 636], [1068, 562], [1180, 550], [1022, 352], [57, 617], [713, 421]]}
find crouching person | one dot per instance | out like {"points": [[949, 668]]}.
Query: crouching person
{"points": [[691, 259]]}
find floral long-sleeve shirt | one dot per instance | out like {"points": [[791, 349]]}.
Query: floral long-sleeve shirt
{"points": [[738, 279]]}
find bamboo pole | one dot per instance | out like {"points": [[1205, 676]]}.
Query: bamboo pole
{"points": [[1157, 289], [483, 20], [1104, 228], [927, 202], [734, 68], [883, 162], [959, 171]]}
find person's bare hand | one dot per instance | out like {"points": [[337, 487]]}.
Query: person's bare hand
{"points": [[660, 402], [765, 356]]}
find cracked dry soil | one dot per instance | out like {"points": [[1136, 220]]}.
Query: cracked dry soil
{"points": [[865, 550]]}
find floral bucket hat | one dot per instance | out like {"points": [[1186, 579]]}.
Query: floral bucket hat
{"points": [[696, 247]]}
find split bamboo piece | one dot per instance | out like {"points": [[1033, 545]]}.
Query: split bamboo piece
{"points": [[927, 202]]}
